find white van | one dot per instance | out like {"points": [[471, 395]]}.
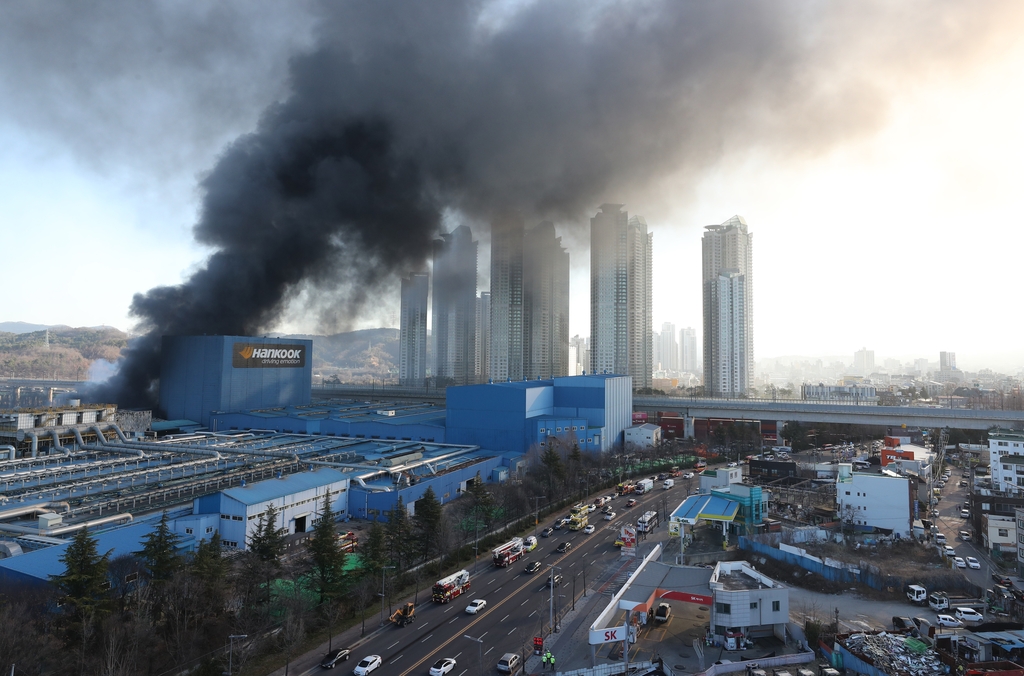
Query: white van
{"points": [[669, 483]]}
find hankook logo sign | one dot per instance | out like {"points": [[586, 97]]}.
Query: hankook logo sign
{"points": [[254, 356]]}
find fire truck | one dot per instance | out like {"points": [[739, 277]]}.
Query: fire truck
{"points": [[510, 552], [448, 588], [625, 487]]}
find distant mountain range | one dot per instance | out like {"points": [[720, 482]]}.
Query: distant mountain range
{"points": [[354, 356]]}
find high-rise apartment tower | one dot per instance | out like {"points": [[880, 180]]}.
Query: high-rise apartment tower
{"points": [[453, 320], [620, 295], [412, 332], [545, 304], [688, 348], [728, 308]]}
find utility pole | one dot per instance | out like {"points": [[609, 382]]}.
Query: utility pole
{"points": [[480, 647], [383, 570], [536, 511]]}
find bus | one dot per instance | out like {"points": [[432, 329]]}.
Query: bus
{"points": [[647, 522]]}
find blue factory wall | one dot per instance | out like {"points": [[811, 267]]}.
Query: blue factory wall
{"points": [[201, 374], [359, 429], [504, 416]]}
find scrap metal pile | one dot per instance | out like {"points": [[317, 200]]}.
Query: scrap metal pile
{"points": [[895, 654]]}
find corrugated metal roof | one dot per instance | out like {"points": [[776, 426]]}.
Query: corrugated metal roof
{"points": [[42, 563], [271, 489]]}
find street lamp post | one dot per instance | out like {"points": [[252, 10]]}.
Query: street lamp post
{"points": [[551, 598], [480, 647], [231, 649], [383, 570]]}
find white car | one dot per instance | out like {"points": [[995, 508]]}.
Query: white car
{"points": [[965, 536], [948, 551], [968, 615], [959, 561], [589, 528], [475, 606], [688, 475], [367, 664], [442, 666], [609, 516], [591, 508], [948, 621], [973, 563], [731, 464]]}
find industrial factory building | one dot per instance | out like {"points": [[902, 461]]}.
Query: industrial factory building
{"points": [[202, 374], [356, 419], [591, 411]]}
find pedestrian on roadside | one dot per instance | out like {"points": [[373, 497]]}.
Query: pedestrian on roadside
{"points": [[552, 663], [544, 660]]}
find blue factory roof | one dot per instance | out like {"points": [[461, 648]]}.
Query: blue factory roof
{"points": [[271, 489], [42, 563], [710, 507]]}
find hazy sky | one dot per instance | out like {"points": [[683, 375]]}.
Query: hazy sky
{"points": [[873, 148]]}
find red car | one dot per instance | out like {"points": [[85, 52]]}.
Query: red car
{"points": [[631, 502]]}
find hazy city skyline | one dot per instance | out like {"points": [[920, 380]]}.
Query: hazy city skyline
{"points": [[867, 158]]}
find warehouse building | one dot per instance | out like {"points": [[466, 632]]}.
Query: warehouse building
{"points": [[356, 419], [591, 411], [202, 374]]}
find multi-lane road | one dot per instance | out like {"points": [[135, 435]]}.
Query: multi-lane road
{"points": [[519, 604]]}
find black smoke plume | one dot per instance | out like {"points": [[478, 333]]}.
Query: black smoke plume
{"points": [[404, 111]]}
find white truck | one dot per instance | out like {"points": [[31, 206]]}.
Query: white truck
{"points": [[669, 483], [644, 486], [917, 594]]}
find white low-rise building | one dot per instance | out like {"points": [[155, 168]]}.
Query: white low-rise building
{"points": [[1006, 460], [747, 602], [1000, 533], [720, 478], [644, 435], [869, 501]]}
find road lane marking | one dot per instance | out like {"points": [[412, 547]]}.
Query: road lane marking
{"points": [[426, 639], [393, 645], [504, 618]]}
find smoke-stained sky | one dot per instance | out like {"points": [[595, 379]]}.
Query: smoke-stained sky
{"points": [[275, 166]]}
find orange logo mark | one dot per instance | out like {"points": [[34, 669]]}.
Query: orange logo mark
{"points": [[247, 352]]}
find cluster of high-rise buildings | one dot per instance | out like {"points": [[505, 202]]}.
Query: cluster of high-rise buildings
{"points": [[519, 328]]}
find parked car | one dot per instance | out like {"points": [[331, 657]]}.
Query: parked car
{"points": [[589, 528], [546, 533], [965, 536], [959, 562], [963, 483], [965, 513], [533, 567], [332, 658], [940, 539], [475, 606], [948, 551], [973, 563], [662, 613], [368, 664], [631, 502], [731, 464], [509, 663], [948, 621], [966, 614], [442, 666], [563, 547], [999, 578]]}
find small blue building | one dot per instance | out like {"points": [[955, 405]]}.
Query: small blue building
{"points": [[592, 411], [202, 374]]}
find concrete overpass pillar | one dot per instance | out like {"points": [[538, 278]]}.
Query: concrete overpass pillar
{"points": [[688, 426]]}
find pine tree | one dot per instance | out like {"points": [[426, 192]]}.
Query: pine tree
{"points": [[160, 553], [374, 550], [555, 467], [267, 543], [211, 570], [327, 555], [427, 523], [399, 537], [83, 585]]}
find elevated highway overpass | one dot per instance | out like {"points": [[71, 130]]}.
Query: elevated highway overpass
{"points": [[740, 409], [825, 412]]}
